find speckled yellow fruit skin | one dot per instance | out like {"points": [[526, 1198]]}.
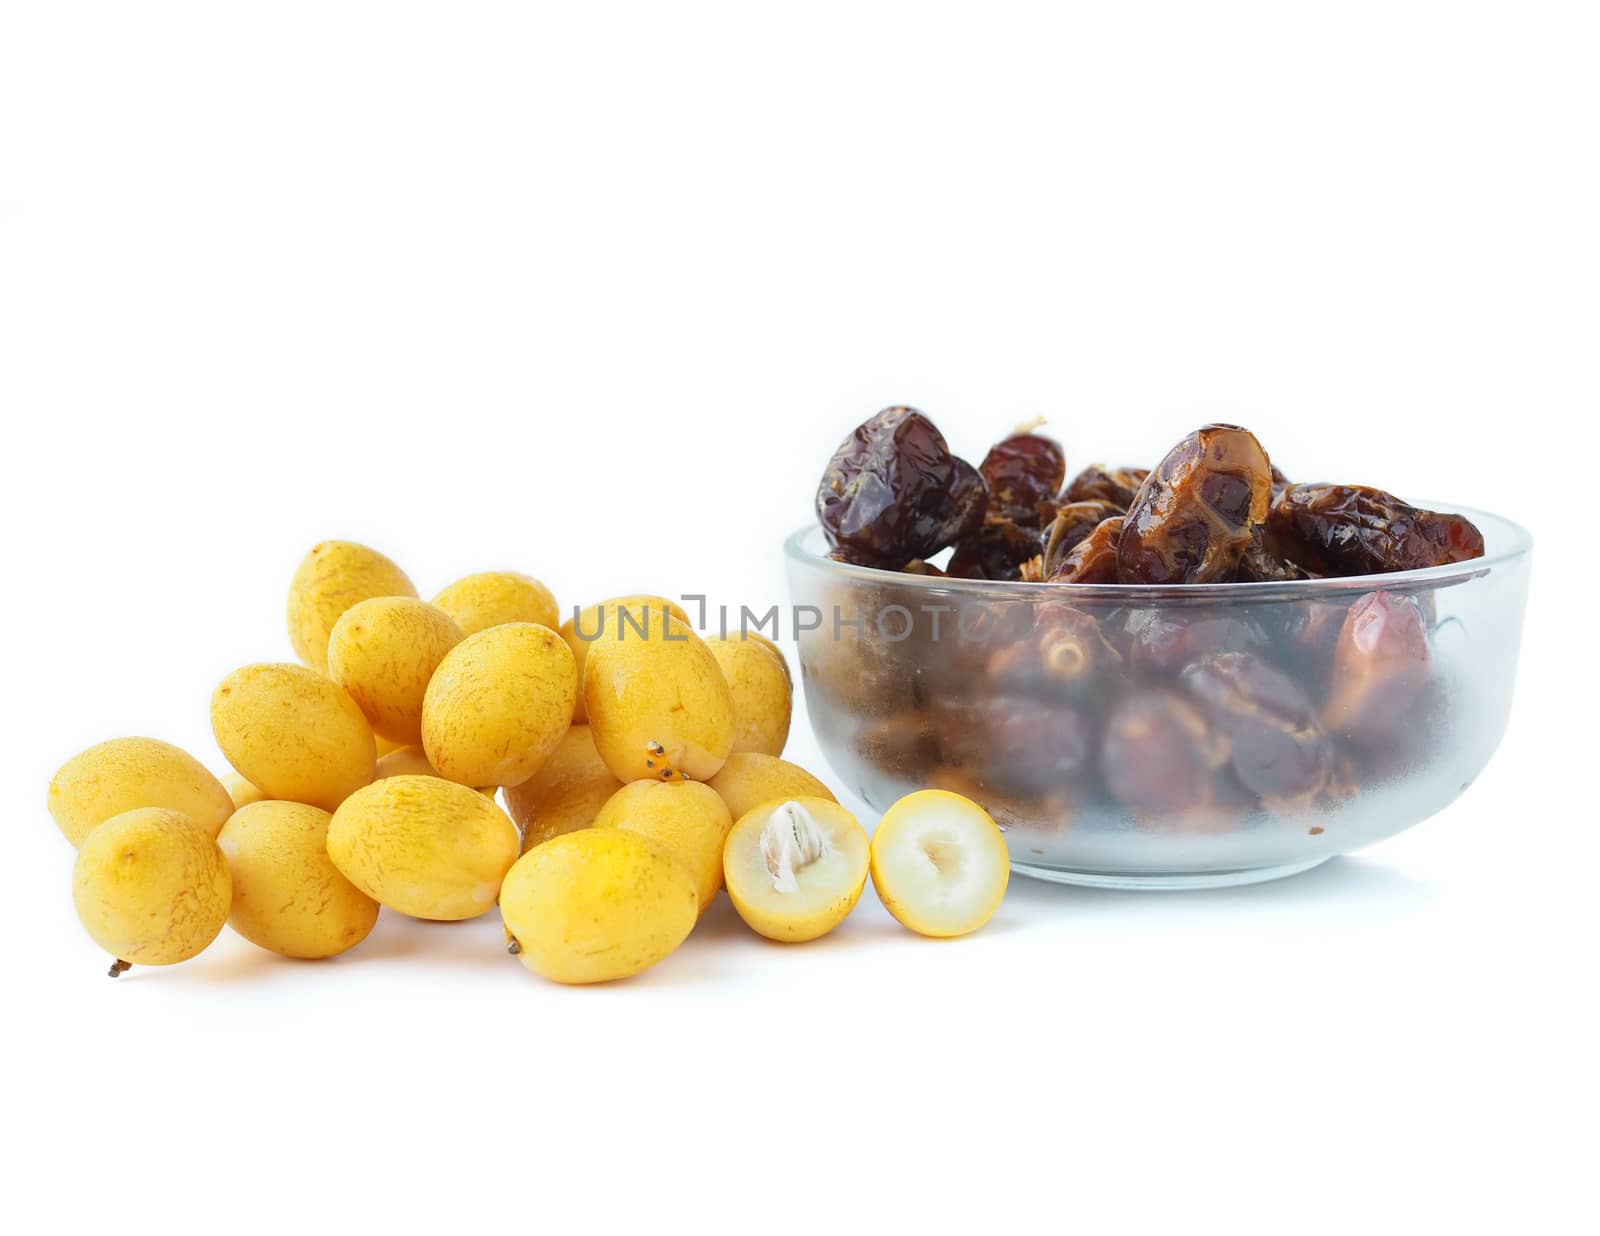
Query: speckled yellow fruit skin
{"points": [[123, 773], [288, 897], [498, 704], [749, 779], [658, 707], [405, 762], [413, 762], [151, 887], [905, 909], [599, 621], [423, 846], [776, 651], [241, 791], [491, 598], [567, 792], [798, 923], [596, 905], [763, 695], [384, 652], [685, 818], [331, 578], [293, 734]]}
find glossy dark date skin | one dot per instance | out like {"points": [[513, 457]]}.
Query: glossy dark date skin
{"points": [[1073, 522], [1276, 743], [1092, 560], [893, 492], [1268, 560], [1024, 474], [997, 551], [1099, 483], [1191, 521], [1357, 530], [968, 504]]}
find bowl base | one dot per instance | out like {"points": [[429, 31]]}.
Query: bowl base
{"points": [[1174, 882]]}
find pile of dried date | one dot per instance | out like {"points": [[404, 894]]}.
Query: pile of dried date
{"points": [[1177, 713], [1214, 510]]}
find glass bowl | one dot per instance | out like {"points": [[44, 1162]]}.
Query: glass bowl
{"points": [[1136, 736]]}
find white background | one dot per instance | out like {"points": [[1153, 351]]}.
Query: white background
{"points": [[593, 294]]}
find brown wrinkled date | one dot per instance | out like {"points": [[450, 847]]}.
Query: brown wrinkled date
{"points": [[1267, 559], [1164, 761], [893, 492], [1065, 656], [1073, 522], [1093, 560], [968, 504], [1115, 486], [1022, 744], [1276, 743], [1355, 530], [1191, 521], [997, 550], [1189, 715], [1215, 510], [1024, 474], [1380, 671], [1161, 641]]}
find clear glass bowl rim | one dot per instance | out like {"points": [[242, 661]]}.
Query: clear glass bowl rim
{"points": [[1505, 542]]}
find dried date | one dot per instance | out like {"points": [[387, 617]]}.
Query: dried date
{"points": [[997, 551], [1191, 521], [1380, 672], [1021, 745], [1357, 530], [968, 504], [1073, 522], [893, 492], [1092, 560], [1277, 746], [1167, 765], [1163, 641], [1099, 483], [1024, 474], [1268, 560], [1066, 655], [1305, 633]]}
